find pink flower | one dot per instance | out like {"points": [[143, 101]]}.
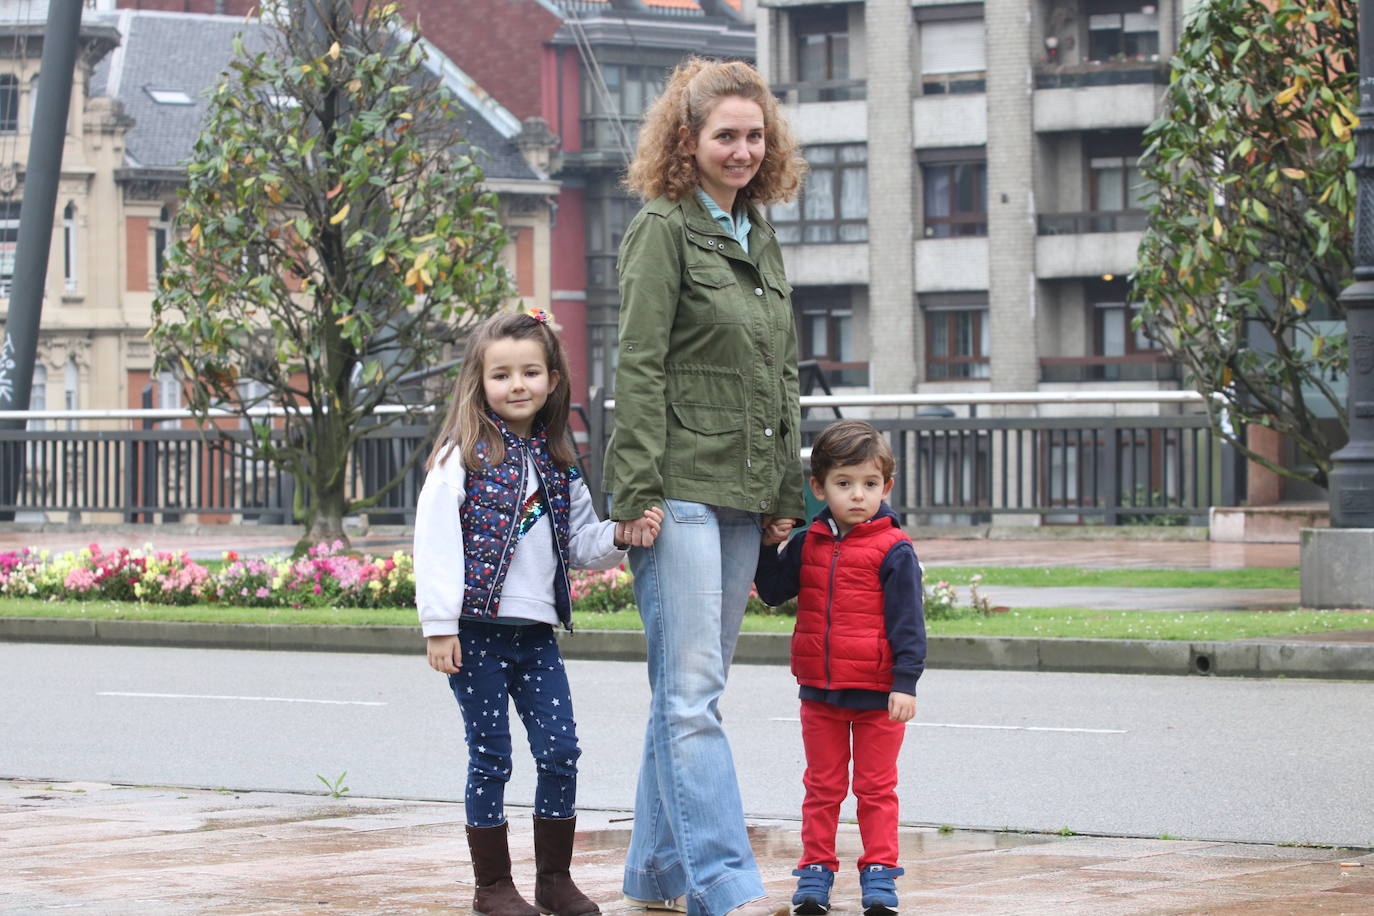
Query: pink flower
{"points": [[262, 593]]}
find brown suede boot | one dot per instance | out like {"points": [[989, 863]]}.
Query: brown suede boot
{"points": [[496, 894], [554, 890]]}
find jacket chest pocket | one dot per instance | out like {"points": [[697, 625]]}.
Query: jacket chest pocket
{"points": [[712, 295]]}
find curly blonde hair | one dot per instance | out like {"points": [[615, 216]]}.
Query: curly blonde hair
{"points": [[663, 164]]}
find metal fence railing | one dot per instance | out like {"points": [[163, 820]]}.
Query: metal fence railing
{"points": [[961, 459]]}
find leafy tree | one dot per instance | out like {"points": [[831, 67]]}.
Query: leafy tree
{"points": [[333, 234], [1249, 239]]}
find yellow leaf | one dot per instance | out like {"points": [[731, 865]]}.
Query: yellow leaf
{"points": [[1287, 95], [190, 370], [1318, 344], [379, 257], [273, 194], [306, 68], [334, 50], [1326, 193], [412, 277], [1298, 304], [1226, 376], [1216, 227], [1346, 113], [1338, 127], [340, 216], [354, 85], [195, 233], [345, 319], [422, 260], [1295, 174]]}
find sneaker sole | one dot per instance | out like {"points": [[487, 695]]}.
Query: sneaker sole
{"points": [[811, 908], [879, 909]]}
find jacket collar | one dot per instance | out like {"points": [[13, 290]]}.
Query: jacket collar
{"points": [[511, 440], [699, 219], [885, 518]]}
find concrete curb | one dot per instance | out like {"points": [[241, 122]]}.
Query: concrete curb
{"points": [[1251, 658]]}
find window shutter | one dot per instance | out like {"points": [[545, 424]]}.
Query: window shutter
{"points": [[953, 46]]}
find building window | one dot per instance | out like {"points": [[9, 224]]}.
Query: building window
{"points": [[1124, 34], [9, 102], [168, 395], [1114, 332], [9, 240], [611, 121], [833, 206], [607, 220], [71, 386], [957, 343], [38, 395], [953, 56], [162, 234], [825, 334], [956, 199], [822, 54], [69, 247]]}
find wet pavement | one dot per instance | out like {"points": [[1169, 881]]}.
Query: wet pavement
{"points": [[158, 851]]}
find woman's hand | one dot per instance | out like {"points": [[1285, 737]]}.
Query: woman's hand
{"points": [[641, 532], [776, 530]]}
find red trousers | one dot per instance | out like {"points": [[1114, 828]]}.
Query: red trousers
{"points": [[827, 734]]}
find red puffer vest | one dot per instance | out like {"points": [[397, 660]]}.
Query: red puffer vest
{"points": [[840, 640]]}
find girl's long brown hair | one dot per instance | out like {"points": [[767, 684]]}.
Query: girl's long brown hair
{"points": [[467, 424], [663, 164]]}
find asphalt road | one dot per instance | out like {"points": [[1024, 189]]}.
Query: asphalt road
{"points": [[1230, 759]]}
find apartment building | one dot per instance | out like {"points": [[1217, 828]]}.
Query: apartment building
{"points": [[137, 106], [974, 205]]}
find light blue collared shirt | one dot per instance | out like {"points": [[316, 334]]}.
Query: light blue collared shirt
{"points": [[738, 227]]}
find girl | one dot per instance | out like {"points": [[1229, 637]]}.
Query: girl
{"points": [[707, 425], [502, 516]]}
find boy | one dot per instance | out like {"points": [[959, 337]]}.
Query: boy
{"points": [[857, 650]]}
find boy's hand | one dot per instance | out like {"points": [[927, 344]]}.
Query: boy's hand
{"points": [[901, 707], [776, 530], [642, 532], [444, 653]]}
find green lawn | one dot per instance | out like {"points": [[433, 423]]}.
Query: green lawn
{"points": [[1040, 622], [1062, 576]]}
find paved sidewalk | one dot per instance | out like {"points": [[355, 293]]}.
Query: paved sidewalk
{"points": [[165, 851]]}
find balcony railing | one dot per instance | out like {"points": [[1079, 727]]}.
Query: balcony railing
{"points": [[822, 91], [1093, 73], [1137, 367], [1091, 221], [953, 83], [609, 133]]}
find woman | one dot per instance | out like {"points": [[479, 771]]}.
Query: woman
{"points": [[706, 427]]}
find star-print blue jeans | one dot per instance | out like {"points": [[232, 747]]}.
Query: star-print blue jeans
{"points": [[504, 662]]}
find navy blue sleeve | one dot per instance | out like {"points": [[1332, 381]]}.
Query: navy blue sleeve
{"points": [[900, 576], [778, 575]]}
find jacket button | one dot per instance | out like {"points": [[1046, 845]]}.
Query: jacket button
{"points": [[768, 360], [758, 291], [768, 431], [763, 504]]}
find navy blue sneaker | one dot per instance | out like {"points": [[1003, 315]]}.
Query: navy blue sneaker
{"points": [[879, 889], [813, 890]]}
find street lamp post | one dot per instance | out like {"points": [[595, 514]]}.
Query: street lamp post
{"points": [[1351, 482], [1338, 562]]}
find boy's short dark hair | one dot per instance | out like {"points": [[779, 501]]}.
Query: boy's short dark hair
{"points": [[848, 442]]}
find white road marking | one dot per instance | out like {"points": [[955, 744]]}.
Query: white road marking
{"points": [[203, 696], [1005, 728]]}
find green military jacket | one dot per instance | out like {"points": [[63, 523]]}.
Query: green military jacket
{"points": [[706, 396]]}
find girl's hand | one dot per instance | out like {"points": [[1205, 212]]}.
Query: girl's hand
{"points": [[776, 530], [642, 532], [901, 707], [444, 653]]}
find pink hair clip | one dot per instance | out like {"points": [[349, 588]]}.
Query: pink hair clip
{"points": [[539, 315]]}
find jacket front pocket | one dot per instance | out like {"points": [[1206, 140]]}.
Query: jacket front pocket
{"points": [[706, 441], [712, 294]]}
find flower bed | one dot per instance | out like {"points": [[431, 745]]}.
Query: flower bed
{"points": [[327, 577]]}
